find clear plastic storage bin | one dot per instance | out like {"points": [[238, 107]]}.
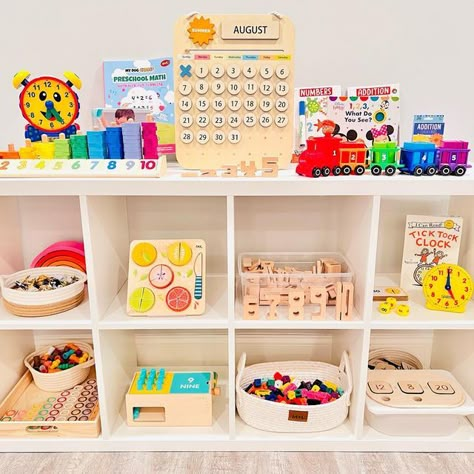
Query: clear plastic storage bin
{"points": [[266, 276]]}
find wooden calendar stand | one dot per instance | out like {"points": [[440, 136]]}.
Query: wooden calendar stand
{"points": [[233, 82]]}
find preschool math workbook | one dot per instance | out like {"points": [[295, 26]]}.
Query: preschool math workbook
{"points": [[145, 84], [429, 241]]}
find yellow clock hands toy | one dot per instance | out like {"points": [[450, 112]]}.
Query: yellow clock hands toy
{"points": [[48, 104], [447, 287]]}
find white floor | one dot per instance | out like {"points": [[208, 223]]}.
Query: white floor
{"points": [[221, 462]]}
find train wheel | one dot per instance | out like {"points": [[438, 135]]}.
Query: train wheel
{"points": [[459, 171], [418, 171], [359, 170], [430, 171], [445, 170], [326, 171], [346, 170], [336, 171], [390, 170], [316, 172], [376, 170]]}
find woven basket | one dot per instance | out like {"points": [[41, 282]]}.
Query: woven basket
{"points": [[271, 416], [42, 303], [59, 381]]}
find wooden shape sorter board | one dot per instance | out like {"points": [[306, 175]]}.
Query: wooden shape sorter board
{"points": [[167, 277], [415, 388], [234, 82]]}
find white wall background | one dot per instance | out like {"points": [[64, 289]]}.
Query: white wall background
{"points": [[426, 45]]}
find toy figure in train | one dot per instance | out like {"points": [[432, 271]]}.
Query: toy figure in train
{"points": [[331, 154]]}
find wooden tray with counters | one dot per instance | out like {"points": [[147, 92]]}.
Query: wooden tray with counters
{"points": [[28, 411]]}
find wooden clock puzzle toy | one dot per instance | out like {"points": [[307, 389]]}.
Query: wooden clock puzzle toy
{"points": [[447, 287], [234, 84], [49, 105], [167, 277]]}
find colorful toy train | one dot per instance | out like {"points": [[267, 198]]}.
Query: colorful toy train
{"points": [[332, 155]]}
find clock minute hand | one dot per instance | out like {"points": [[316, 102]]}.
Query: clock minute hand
{"points": [[448, 281], [56, 115]]}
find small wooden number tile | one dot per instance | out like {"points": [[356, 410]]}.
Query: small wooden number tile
{"points": [[380, 387], [410, 387], [441, 388]]}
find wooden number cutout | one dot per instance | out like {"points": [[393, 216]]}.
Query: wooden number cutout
{"points": [[296, 304], [249, 169], [344, 301], [269, 167], [229, 171], [208, 173], [251, 308], [318, 296], [274, 301]]}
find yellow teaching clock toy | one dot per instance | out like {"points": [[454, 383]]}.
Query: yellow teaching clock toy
{"points": [[49, 104], [447, 287]]}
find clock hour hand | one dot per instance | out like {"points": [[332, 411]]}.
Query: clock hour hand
{"points": [[447, 287]]}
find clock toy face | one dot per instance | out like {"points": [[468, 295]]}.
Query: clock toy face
{"points": [[447, 288], [49, 104]]}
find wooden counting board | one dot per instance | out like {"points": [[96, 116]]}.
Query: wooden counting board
{"points": [[167, 277], [28, 411], [234, 85], [415, 388]]}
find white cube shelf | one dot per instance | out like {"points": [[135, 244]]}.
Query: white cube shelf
{"points": [[361, 217]]}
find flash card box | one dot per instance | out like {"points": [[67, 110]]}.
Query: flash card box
{"points": [[167, 278], [144, 84]]}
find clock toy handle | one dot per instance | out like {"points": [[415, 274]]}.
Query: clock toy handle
{"points": [[21, 78], [72, 79]]}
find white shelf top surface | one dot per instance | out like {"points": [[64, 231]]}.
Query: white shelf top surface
{"points": [[420, 316], [76, 318], [287, 183], [215, 316]]}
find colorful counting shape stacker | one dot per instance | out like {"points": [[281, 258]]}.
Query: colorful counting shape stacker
{"points": [[167, 277], [233, 88], [415, 388], [160, 398]]}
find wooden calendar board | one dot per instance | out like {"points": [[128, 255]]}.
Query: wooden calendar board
{"points": [[167, 277], [415, 388], [234, 83]]}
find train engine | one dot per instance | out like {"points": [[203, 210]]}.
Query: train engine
{"points": [[328, 154]]}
